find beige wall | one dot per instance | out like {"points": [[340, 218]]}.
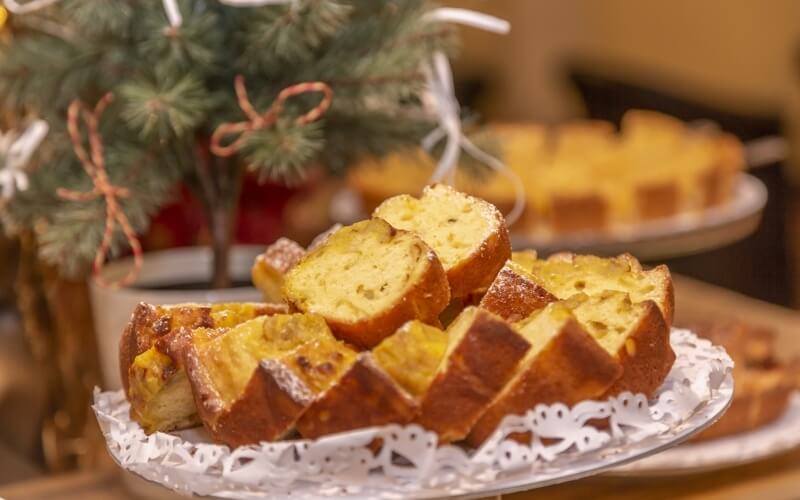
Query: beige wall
{"points": [[740, 54]]}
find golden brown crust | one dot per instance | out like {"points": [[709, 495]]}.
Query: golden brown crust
{"points": [[365, 396], [476, 270], [578, 213], [657, 200], [646, 356], [423, 301], [264, 412], [473, 373], [149, 323], [514, 296], [270, 267], [763, 382], [479, 269], [571, 368]]}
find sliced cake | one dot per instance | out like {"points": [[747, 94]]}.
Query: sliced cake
{"points": [[632, 332], [270, 267], [150, 361], [292, 382], [232, 393], [566, 274], [564, 365], [441, 380], [482, 354], [367, 280], [387, 383], [469, 235], [515, 294]]}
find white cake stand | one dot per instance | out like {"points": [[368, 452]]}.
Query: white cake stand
{"points": [[676, 236], [695, 394], [775, 438]]}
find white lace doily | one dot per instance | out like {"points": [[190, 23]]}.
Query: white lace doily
{"points": [[776, 437], [411, 465]]}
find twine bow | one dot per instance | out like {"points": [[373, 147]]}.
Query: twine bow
{"points": [[95, 167], [260, 121]]}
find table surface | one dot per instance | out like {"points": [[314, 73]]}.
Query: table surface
{"points": [[775, 478]]}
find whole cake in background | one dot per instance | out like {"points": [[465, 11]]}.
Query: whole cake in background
{"points": [[764, 381], [583, 175]]}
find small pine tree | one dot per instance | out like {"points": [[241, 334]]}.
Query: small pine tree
{"points": [[173, 86]]}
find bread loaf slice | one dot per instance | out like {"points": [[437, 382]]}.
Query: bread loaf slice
{"points": [[150, 360], [293, 382], [234, 395], [632, 332], [387, 384], [365, 396], [270, 267], [469, 235], [482, 355], [441, 380], [515, 294], [564, 365], [367, 280], [566, 274]]}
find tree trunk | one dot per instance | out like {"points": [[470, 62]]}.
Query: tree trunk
{"points": [[220, 220]]}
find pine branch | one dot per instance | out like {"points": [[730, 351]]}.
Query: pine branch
{"points": [[174, 86], [197, 45], [162, 109], [283, 152]]}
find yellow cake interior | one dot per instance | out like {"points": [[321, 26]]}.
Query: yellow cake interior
{"points": [[541, 327], [231, 359], [360, 271], [609, 317], [412, 355], [161, 397], [452, 223], [228, 315], [319, 363], [592, 275]]}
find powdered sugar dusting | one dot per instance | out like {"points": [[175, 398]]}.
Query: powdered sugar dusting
{"points": [[288, 383], [282, 255]]}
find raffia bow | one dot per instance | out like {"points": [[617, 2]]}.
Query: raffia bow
{"points": [[258, 121], [95, 167]]}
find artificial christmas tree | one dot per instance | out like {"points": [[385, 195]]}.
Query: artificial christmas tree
{"points": [[202, 93]]}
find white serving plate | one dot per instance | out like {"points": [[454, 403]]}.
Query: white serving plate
{"points": [[767, 441], [697, 391], [683, 234]]}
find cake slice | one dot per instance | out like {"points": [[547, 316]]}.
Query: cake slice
{"points": [[367, 280], [515, 294], [634, 333], [150, 361], [441, 380], [232, 393], [270, 267], [482, 355], [469, 235], [387, 383], [564, 365], [292, 382], [566, 274]]}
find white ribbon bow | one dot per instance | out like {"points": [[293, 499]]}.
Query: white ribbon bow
{"points": [[17, 151], [439, 77], [170, 7], [23, 8]]}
